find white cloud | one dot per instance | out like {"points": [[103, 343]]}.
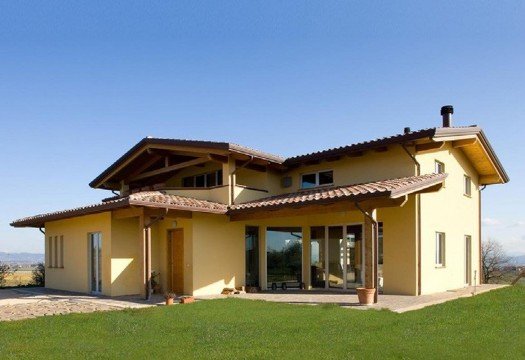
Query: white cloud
{"points": [[490, 222], [519, 223]]}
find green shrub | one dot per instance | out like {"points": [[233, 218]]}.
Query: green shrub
{"points": [[39, 275], [5, 271]]}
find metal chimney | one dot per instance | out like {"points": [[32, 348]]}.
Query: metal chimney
{"points": [[446, 113]]}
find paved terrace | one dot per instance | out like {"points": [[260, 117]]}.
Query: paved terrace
{"points": [[26, 303], [396, 303]]}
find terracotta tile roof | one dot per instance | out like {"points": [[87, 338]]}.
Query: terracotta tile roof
{"points": [[361, 146], [151, 141], [393, 188], [158, 199]]}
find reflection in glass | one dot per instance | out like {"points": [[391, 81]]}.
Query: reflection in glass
{"points": [[335, 256], [354, 257], [95, 242], [284, 247], [252, 255], [317, 256]]}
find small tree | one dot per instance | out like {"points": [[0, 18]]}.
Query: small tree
{"points": [[39, 274], [5, 271], [493, 258]]}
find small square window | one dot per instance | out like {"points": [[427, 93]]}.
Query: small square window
{"points": [[308, 181], [439, 167], [468, 186], [200, 181], [211, 179], [219, 177], [188, 181], [440, 249], [326, 177]]}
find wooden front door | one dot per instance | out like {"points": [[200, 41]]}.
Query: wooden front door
{"points": [[177, 261]]}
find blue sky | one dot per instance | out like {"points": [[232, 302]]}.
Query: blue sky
{"points": [[81, 82]]}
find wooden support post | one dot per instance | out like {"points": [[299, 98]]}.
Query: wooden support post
{"points": [[371, 251], [148, 262], [142, 239]]}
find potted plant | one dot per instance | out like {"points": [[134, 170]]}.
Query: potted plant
{"points": [[365, 295], [155, 282], [169, 298]]}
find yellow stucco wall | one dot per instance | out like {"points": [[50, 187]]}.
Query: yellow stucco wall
{"points": [[372, 166], [399, 248], [456, 215], [126, 257], [74, 276], [218, 254]]}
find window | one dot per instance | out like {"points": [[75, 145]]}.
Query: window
{"points": [[55, 252], [468, 186], [251, 239], [440, 249], [439, 167], [210, 179], [317, 179]]}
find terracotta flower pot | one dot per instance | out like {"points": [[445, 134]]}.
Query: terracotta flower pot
{"points": [[169, 301], [187, 300], [365, 296]]}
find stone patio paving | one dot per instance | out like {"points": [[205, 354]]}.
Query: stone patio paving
{"points": [[19, 304], [396, 303], [26, 303]]}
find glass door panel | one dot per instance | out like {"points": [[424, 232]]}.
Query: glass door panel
{"points": [[335, 257], [284, 248], [354, 256], [252, 255], [95, 242], [318, 257]]}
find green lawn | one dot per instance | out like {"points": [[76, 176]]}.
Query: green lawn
{"points": [[488, 326]]}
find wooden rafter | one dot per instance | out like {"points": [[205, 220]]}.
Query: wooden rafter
{"points": [[197, 161]]}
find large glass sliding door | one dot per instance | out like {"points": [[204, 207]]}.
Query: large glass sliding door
{"points": [[337, 254], [336, 257], [317, 256], [252, 255], [354, 257], [95, 247], [284, 248]]}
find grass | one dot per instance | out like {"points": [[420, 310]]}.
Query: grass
{"points": [[487, 326]]}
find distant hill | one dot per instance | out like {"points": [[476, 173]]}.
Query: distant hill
{"points": [[21, 258], [518, 260]]}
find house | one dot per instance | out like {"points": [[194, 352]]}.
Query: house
{"points": [[400, 214]]}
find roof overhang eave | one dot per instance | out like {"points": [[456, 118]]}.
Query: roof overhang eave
{"points": [[451, 134], [379, 199]]}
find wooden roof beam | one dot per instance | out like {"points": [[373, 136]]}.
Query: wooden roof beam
{"points": [[197, 161], [431, 146]]}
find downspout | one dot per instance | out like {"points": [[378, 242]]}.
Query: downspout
{"points": [[481, 277], [42, 231], [147, 234], [418, 220], [375, 226], [232, 186]]}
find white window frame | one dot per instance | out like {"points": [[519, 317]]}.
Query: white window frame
{"points": [[316, 173], [437, 164], [440, 249], [467, 189], [194, 178]]}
